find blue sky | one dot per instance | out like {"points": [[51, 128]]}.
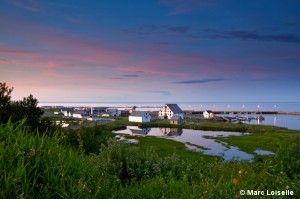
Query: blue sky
{"points": [[164, 50]]}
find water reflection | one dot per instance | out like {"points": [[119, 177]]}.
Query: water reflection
{"points": [[138, 131], [195, 140], [171, 131]]}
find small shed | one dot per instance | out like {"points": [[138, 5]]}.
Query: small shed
{"points": [[176, 119], [139, 116], [208, 114], [80, 114]]}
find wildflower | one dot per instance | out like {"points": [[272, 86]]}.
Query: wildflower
{"points": [[235, 181], [241, 171], [237, 195], [32, 152]]}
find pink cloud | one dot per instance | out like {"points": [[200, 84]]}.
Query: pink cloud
{"points": [[3, 60], [13, 52], [30, 5], [185, 6]]}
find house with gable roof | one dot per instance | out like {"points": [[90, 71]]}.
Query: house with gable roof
{"points": [[176, 119], [139, 116], [170, 110], [81, 114], [208, 114]]}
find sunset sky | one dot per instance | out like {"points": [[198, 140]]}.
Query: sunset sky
{"points": [[151, 50]]}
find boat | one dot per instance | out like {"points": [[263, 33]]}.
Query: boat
{"points": [[260, 118]]}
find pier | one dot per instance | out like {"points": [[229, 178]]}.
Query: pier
{"points": [[234, 112]]}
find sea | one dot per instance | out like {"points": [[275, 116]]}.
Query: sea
{"points": [[290, 121]]}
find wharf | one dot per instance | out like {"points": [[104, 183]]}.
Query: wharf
{"points": [[243, 112], [235, 112]]}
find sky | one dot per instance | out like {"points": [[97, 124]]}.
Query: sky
{"points": [[151, 50]]}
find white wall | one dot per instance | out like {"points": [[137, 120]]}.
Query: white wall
{"points": [[135, 119], [139, 119], [168, 112]]}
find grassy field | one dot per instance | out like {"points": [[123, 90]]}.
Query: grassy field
{"points": [[89, 163]]}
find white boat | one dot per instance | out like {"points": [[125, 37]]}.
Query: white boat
{"points": [[260, 118]]}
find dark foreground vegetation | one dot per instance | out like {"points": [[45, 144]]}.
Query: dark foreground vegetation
{"points": [[35, 165], [89, 163]]}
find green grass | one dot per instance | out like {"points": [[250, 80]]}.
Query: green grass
{"points": [[266, 140], [35, 165], [164, 148]]}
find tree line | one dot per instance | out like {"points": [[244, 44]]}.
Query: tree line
{"points": [[20, 109]]}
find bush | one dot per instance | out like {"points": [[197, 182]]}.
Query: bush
{"points": [[128, 163]]}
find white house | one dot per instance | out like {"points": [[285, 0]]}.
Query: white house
{"points": [[139, 116], [111, 113], [170, 110], [208, 114], [80, 114], [67, 112]]}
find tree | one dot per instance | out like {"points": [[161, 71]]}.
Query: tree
{"points": [[5, 97], [17, 110], [27, 108]]}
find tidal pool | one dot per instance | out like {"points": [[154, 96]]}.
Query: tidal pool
{"points": [[196, 140]]}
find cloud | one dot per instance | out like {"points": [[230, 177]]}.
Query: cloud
{"points": [[179, 29], [160, 92], [30, 5], [116, 78], [130, 75], [13, 52], [295, 23], [200, 81], [2, 60], [178, 7], [150, 30], [74, 20], [269, 37], [143, 30], [248, 35]]}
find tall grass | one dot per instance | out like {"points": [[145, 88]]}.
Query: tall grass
{"points": [[33, 165]]}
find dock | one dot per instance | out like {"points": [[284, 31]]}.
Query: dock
{"points": [[233, 112]]}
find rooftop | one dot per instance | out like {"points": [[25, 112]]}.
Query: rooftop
{"points": [[138, 113], [175, 108]]}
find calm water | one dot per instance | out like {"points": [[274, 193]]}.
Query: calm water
{"points": [[195, 140], [289, 121], [281, 120]]}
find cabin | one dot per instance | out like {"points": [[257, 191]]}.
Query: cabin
{"points": [[68, 112], [139, 116], [208, 114], [176, 119], [80, 114], [97, 111], [110, 113], [58, 113], [169, 110]]}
